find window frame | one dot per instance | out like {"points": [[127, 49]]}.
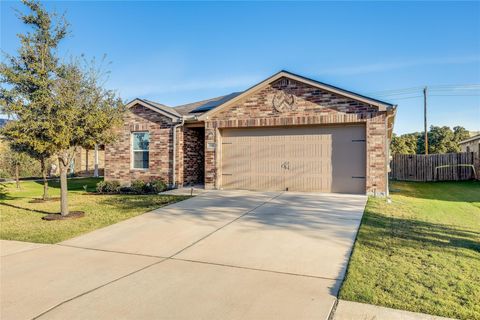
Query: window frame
{"points": [[132, 151]]}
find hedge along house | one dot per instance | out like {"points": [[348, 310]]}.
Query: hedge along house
{"points": [[286, 133]]}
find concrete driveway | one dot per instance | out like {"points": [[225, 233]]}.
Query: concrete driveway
{"points": [[220, 255]]}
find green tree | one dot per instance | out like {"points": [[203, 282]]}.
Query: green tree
{"points": [[460, 134], [15, 163], [57, 107], [404, 144], [85, 114], [30, 77], [442, 140]]}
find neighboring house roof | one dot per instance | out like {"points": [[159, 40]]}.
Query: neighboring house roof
{"points": [[474, 138], [3, 122], [204, 108]]}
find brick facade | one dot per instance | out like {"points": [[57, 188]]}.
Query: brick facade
{"points": [[193, 160], [197, 160], [189, 152], [311, 106], [118, 155]]}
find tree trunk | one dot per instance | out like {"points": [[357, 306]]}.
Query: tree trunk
{"points": [[63, 162], [86, 161], [17, 175], [45, 181]]}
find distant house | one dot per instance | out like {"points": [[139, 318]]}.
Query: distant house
{"points": [[471, 144], [287, 132], [3, 122], [86, 161]]}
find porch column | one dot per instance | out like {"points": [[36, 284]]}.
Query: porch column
{"points": [[95, 172]]}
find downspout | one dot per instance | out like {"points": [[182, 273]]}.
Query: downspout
{"points": [[174, 175], [387, 157]]}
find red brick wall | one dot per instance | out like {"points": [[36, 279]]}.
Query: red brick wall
{"points": [[118, 155], [311, 106], [193, 159]]}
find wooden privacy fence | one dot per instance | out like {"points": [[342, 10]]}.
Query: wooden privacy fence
{"points": [[433, 167]]}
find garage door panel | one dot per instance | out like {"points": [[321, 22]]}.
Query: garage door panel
{"points": [[310, 158]]}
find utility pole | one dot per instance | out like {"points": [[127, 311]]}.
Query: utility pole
{"points": [[425, 118]]}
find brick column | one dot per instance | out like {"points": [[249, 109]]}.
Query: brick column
{"points": [[210, 156], [377, 156]]}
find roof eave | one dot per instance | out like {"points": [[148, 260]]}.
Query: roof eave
{"points": [[152, 107]]}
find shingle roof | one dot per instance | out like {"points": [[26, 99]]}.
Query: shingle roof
{"points": [[473, 138], [162, 107], [200, 107]]}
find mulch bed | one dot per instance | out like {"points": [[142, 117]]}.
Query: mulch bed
{"points": [[40, 200], [58, 216]]}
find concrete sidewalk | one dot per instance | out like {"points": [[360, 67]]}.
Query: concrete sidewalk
{"points": [[348, 310]]}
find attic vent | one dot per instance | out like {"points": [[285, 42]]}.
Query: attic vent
{"points": [[284, 82]]}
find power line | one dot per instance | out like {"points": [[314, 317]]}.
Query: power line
{"points": [[403, 98], [460, 88], [455, 95]]}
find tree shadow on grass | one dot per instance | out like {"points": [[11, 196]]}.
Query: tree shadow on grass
{"points": [[148, 202], [417, 234], [77, 184], [458, 191], [23, 208], [4, 193]]}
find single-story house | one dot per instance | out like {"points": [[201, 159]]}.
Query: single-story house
{"points": [[287, 132], [471, 144], [89, 162]]}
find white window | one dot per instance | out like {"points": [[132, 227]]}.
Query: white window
{"points": [[140, 146]]}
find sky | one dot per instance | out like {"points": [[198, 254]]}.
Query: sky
{"points": [[179, 52]]}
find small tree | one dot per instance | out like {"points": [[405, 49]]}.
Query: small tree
{"points": [[16, 163], [85, 114], [30, 77], [20, 138], [56, 108], [14, 160]]}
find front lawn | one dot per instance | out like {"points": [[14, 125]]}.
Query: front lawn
{"points": [[421, 252], [21, 220]]}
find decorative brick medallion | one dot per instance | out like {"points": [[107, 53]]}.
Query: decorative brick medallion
{"points": [[283, 101]]}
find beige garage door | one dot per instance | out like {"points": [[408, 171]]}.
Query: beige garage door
{"points": [[310, 158]]}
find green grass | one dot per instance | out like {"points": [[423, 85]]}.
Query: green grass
{"points": [[21, 220], [421, 252]]}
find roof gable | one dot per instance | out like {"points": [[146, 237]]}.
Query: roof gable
{"points": [[381, 105], [157, 107]]}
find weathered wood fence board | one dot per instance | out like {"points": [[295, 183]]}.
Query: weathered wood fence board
{"points": [[433, 167]]}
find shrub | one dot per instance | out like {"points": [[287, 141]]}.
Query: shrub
{"points": [[158, 186], [108, 186], [138, 186], [153, 186], [125, 189]]}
